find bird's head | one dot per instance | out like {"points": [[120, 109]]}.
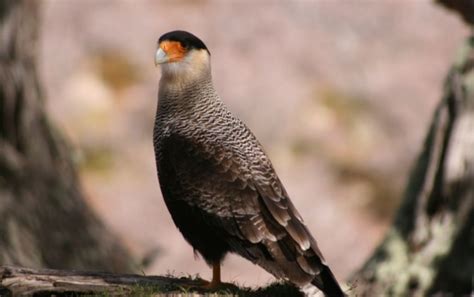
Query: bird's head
{"points": [[182, 55]]}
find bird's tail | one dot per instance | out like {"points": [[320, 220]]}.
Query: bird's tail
{"points": [[327, 283]]}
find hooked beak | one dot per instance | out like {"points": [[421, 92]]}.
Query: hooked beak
{"points": [[160, 57]]}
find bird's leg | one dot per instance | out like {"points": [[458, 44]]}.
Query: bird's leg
{"points": [[216, 277]]}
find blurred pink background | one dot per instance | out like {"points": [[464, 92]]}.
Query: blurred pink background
{"points": [[340, 93]]}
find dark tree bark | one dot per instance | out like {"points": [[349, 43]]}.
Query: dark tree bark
{"points": [[44, 221], [430, 248], [465, 8]]}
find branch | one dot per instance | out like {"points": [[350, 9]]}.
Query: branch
{"points": [[18, 281]]}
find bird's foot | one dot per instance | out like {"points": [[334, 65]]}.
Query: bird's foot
{"points": [[213, 285], [217, 286]]}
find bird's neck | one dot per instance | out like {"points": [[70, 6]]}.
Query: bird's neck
{"points": [[194, 68], [186, 96]]}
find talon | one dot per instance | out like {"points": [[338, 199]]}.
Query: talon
{"points": [[216, 278]]}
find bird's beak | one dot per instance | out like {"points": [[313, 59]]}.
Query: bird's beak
{"points": [[160, 57]]}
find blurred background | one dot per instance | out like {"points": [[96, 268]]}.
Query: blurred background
{"points": [[340, 93]]}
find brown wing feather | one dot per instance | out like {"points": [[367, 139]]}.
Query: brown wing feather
{"points": [[269, 230]]}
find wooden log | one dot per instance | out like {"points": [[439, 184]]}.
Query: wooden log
{"points": [[19, 281]]}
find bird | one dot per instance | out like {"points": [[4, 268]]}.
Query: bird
{"points": [[218, 183]]}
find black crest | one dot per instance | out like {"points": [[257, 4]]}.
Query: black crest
{"points": [[186, 39]]}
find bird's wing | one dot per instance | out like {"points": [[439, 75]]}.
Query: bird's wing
{"points": [[240, 186]]}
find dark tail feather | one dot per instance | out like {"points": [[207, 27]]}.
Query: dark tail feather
{"points": [[326, 282]]}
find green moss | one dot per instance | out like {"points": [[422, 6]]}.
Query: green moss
{"points": [[463, 54]]}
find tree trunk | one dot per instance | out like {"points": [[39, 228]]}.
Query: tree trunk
{"points": [[44, 221], [429, 249]]}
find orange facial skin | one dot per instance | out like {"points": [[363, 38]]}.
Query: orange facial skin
{"points": [[173, 49]]}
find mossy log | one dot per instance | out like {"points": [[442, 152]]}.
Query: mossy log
{"points": [[17, 281]]}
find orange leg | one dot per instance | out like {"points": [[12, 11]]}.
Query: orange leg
{"points": [[216, 277]]}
